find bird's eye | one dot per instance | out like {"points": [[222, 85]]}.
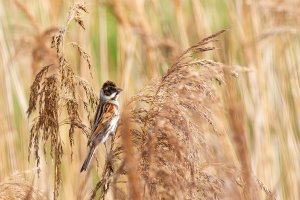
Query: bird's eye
{"points": [[106, 91]]}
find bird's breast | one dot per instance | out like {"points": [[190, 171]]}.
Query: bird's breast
{"points": [[114, 122]]}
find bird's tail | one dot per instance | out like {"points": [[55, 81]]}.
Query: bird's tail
{"points": [[88, 158]]}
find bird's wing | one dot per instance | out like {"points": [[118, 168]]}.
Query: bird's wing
{"points": [[105, 112]]}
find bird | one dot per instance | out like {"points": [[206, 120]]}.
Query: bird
{"points": [[105, 120]]}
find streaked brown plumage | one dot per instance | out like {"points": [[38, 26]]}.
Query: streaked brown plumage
{"points": [[106, 119]]}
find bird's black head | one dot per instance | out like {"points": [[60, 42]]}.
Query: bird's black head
{"points": [[110, 90]]}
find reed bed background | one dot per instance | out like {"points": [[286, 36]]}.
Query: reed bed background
{"points": [[203, 117]]}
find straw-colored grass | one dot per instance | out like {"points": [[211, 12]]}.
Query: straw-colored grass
{"points": [[189, 129], [16, 187]]}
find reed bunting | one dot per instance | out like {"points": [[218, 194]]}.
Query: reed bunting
{"points": [[105, 120]]}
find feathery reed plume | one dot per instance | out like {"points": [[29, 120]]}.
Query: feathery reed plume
{"points": [[174, 147], [171, 117], [130, 37], [17, 187], [52, 93]]}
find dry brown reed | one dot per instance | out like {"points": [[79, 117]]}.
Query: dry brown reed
{"points": [[171, 117], [171, 144], [51, 93], [38, 42], [176, 123], [134, 22], [17, 187]]}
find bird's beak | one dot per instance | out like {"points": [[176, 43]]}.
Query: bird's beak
{"points": [[119, 90]]}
